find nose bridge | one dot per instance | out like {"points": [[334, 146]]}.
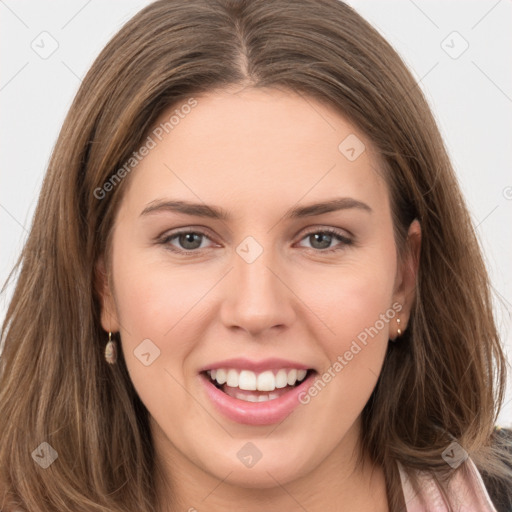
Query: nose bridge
{"points": [[256, 298]]}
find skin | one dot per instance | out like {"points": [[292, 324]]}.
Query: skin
{"points": [[256, 154]]}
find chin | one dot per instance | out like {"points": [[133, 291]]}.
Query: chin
{"points": [[267, 472]]}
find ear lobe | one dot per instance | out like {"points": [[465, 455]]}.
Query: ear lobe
{"points": [[108, 314]]}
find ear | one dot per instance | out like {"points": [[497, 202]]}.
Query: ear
{"points": [[405, 283], [109, 317]]}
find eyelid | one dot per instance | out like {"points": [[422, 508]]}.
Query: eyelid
{"points": [[342, 233], [168, 235], [345, 239], [335, 232]]}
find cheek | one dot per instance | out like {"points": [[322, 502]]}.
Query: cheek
{"points": [[153, 297], [351, 299], [153, 301], [355, 308], [158, 304], [354, 303]]}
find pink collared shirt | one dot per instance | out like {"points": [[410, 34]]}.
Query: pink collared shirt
{"points": [[467, 494]]}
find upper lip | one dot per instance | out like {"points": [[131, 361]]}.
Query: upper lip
{"points": [[241, 363]]}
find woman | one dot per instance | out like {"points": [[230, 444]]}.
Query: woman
{"points": [[251, 282]]}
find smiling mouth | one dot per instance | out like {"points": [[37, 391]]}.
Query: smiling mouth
{"points": [[256, 387]]}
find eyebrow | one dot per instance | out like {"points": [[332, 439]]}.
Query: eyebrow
{"points": [[215, 212]]}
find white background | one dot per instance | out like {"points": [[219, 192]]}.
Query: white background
{"points": [[471, 97]]}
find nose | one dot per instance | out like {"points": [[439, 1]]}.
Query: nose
{"points": [[258, 298]]}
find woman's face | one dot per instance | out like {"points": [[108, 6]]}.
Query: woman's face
{"points": [[259, 293]]}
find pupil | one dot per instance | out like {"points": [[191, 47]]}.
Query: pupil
{"points": [[188, 238], [321, 236]]}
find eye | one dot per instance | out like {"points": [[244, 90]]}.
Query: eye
{"points": [[186, 241], [321, 240]]}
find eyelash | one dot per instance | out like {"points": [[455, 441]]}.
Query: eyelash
{"points": [[330, 231]]}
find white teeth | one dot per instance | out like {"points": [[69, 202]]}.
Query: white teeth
{"points": [[247, 380], [232, 380], [281, 379], [250, 381], [292, 377], [247, 398], [221, 376], [301, 374], [266, 381], [254, 398]]}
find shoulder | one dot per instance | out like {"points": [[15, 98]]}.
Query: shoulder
{"points": [[500, 491], [469, 487]]}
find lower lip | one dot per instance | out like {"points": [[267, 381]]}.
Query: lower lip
{"points": [[256, 413]]}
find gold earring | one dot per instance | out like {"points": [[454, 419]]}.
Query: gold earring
{"points": [[111, 350], [398, 331]]}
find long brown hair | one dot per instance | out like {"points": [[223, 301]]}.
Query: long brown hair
{"points": [[443, 381]]}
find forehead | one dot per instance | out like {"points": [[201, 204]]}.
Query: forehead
{"points": [[251, 144]]}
